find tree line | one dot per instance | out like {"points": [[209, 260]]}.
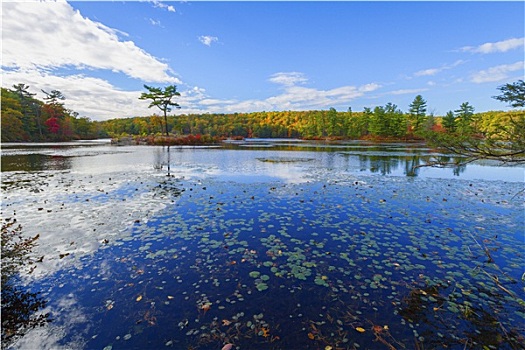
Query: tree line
{"points": [[25, 118], [381, 123]]}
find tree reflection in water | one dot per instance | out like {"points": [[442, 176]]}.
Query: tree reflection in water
{"points": [[388, 163], [20, 307]]}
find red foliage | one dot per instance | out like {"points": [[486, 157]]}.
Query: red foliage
{"points": [[187, 140], [52, 125], [438, 128]]}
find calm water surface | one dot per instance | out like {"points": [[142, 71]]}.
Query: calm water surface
{"points": [[269, 244]]}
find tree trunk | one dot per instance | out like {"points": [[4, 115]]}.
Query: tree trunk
{"points": [[166, 123]]}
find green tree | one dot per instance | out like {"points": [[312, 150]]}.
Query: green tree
{"points": [[388, 121], [417, 113], [464, 117], [28, 108], [495, 136], [162, 99], [513, 93], [332, 122], [379, 125], [398, 120], [449, 122], [54, 97]]}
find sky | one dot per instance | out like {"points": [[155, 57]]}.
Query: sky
{"points": [[247, 56]]}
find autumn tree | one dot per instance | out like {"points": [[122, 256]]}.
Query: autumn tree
{"points": [[54, 111], [495, 136], [162, 99], [11, 121]]}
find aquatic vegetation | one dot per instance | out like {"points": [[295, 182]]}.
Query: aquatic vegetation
{"points": [[338, 261], [254, 274]]}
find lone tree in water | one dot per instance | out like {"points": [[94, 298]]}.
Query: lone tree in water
{"points": [[161, 98]]}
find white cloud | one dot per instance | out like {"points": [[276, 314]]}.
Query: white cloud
{"points": [[434, 71], [208, 40], [427, 72], [50, 35], [500, 46], [42, 38], [292, 97], [296, 97], [497, 73], [91, 97], [288, 79], [406, 91], [369, 87], [161, 5], [154, 22]]}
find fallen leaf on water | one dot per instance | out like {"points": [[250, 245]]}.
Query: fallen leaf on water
{"points": [[170, 297], [227, 347], [139, 298], [311, 336], [377, 329], [265, 332], [360, 329]]}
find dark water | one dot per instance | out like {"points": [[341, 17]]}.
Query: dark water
{"points": [[269, 245]]}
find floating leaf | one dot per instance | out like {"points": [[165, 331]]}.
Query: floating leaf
{"points": [[360, 329], [261, 286], [254, 274], [139, 298]]}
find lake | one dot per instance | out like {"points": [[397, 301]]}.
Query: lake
{"points": [[269, 244]]}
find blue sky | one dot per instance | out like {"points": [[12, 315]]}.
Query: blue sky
{"points": [[249, 56]]}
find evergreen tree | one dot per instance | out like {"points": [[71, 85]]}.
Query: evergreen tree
{"points": [[449, 122], [464, 117], [513, 93], [161, 98], [417, 113]]}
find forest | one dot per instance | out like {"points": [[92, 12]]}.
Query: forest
{"points": [[25, 118]]}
